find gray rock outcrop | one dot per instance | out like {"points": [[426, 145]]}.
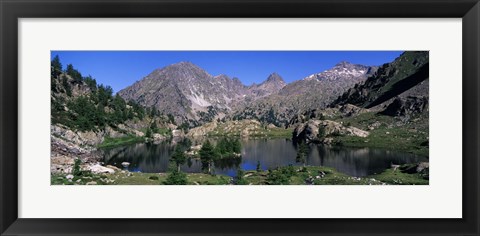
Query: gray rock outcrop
{"points": [[318, 131]]}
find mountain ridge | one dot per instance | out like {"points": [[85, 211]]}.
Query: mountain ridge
{"points": [[194, 96]]}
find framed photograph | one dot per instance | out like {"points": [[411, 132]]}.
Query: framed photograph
{"points": [[234, 117]]}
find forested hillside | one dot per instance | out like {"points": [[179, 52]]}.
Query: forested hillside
{"points": [[79, 103]]}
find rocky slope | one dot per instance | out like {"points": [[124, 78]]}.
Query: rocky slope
{"points": [[392, 105], [347, 110], [192, 95], [398, 89], [273, 84], [313, 92], [406, 76]]}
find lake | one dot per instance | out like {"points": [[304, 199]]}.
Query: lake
{"points": [[271, 153]]}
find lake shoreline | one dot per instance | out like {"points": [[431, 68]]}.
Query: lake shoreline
{"points": [[309, 175], [268, 153], [101, 173]]}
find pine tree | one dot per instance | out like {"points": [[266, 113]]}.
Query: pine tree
{"points": [[222, 147], [259, 167], [240, 179], [75, 74], [91, 83], [302, 154], [178, 157], [56, 67], [237, 146], [76, 167], [148, 133], [154, 127], [171, 119], [207, 156]]}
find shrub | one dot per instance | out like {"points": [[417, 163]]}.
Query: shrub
{"points": [[148, 133], [176, 178], [321, 132], [153, 177], [289, 171], [280, 176], [239, 179], [277, 178], [76, 168]]}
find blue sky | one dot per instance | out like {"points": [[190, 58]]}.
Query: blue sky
{"points": [[120, 69]]}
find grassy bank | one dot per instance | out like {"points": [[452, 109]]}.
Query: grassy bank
{"points": [[279, 133], [113, 142], [411, 137], [291, 175], [396, 177], [134, 178], [248, 128]]}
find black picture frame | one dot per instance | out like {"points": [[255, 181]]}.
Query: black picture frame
{"points": [[12, 10]]}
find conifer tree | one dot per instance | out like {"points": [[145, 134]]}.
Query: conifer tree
{"points": [[207, 156], [178, 157]]}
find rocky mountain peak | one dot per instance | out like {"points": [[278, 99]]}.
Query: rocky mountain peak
{"points": [[272, 84], [237, 81], [343, 64], [184, 64], [350, 66], [275, 78], [192, 95], [181, 72], [343, 70]]}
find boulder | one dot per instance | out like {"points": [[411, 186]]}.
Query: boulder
{"points": [[350, 110], [309, 131], [113, 133], [271, 126], [171, 126], [158, 138], [98, 169], [113, 167], [422, 166], [177, 133]]}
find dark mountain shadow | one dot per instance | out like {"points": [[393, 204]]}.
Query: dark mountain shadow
{"points": [[403, 85]]}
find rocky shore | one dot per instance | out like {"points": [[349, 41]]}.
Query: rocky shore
{"points": [[320, 131]]}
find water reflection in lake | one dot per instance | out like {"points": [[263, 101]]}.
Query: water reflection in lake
{"points": [[270, 153]]}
